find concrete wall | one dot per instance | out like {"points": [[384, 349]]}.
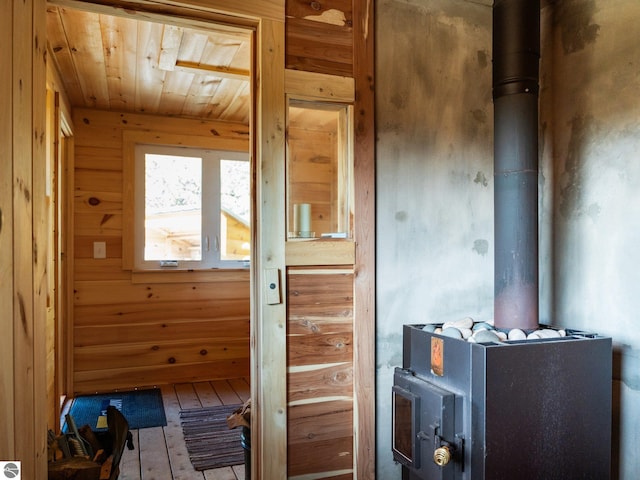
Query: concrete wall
{"points": [[435, 183], [596, 224], [434, 177]]}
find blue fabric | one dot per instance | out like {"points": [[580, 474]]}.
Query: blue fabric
{"points": [[141, 408]]}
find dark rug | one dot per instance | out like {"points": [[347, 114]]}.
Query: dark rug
{"points": [[210, 442], [141, 408]]}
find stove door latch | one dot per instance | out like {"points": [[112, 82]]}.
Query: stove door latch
{"points": [[446, 451], [442, 455]]}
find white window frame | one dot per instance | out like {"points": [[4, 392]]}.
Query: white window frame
{"points": [[211, 207]]}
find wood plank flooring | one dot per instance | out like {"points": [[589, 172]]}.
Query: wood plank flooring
{"points": [[160, 453]]}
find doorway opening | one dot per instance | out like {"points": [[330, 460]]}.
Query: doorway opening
{"points": [[146, 78]]}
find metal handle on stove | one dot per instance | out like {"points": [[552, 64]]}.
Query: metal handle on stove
{"points": [[442, 456]]}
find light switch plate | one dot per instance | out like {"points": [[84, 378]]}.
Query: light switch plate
{"points": [[272, 285], [99, 249]]}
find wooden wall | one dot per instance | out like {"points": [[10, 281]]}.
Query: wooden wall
{"points": [[330, 304], [134, 328], [238, 237], [23, 237], [319, 36]]}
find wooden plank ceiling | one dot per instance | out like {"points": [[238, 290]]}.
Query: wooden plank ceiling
{"points": [[129, 65]]}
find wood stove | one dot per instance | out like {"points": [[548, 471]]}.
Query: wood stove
{"points": [[502, 407], [515, 410]]}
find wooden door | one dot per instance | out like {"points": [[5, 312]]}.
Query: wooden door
{"points": [[319, 279], [330, 283], [320, 261]]}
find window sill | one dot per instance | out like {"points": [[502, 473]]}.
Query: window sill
{"points": [[189, 276]]}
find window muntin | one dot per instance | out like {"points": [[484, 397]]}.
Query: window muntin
{"points": [[192, 208]]}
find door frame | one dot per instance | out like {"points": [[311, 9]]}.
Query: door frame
{"points": [[268, 361], [62, 251]]}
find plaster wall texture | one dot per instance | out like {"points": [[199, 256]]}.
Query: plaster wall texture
{"points": [[434, 177], [435, 184], [595, 120]]}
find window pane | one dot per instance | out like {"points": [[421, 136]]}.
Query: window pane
{"points": [[319, 170], [235, 202], [173, 208]]}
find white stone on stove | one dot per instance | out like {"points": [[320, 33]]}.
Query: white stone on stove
{"points": [[534, 336], [430, 327], [516, 334], [466, 322], [465, 332], [482, 326], [548, 333], [438, 330], [451, 332], [562, 333], [484, 336], [501, 335]]}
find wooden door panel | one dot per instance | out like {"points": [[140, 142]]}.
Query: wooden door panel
{"points": [[320, 437], [320, 381], [320, 369]]}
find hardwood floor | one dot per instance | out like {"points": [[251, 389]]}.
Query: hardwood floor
{"points": [[160, 453]]}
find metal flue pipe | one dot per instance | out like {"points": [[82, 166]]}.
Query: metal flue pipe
{"points": [[516, 54]]}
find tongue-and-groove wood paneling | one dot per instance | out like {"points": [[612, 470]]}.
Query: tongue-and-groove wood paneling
{"points": [[320, 36], [23, 236], [320, 371], [133, 329]]}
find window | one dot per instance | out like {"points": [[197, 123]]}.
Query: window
{"points": [[192, 208], [319, 170]]}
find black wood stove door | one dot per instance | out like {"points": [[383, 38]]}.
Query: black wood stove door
{"points": [[423, 428]]}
